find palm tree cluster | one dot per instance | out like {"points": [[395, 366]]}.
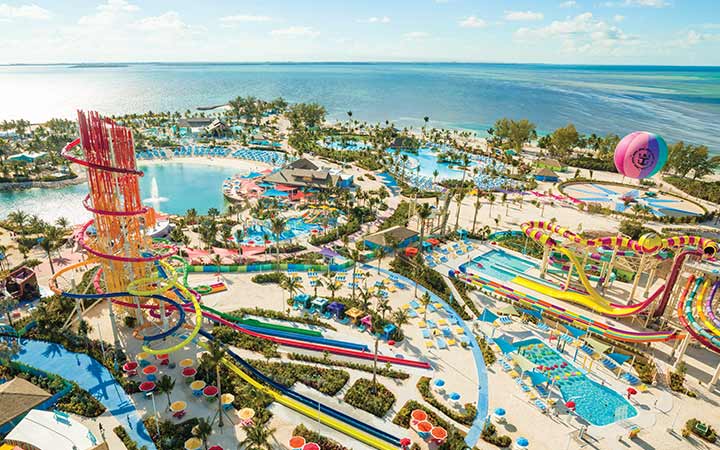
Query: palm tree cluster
{"points": [[34, 232]]}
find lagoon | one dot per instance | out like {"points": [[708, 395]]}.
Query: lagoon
{"points": [[184, 185]]}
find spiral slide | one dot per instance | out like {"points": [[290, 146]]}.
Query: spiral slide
{"points": [[565, 315], [541, 232]]}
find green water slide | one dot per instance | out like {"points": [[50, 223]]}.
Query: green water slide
{"points": [[259, 324]]}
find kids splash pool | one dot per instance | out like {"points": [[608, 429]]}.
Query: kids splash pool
{"points": [[594, 402], [499, 264]]}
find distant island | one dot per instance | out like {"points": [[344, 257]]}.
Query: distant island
{"points": [[97, 66]]}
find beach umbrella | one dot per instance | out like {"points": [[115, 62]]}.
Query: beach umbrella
{"points": [[439, 383], [631, 391], [187, 362], [454, 396], [522, 442], [297, 442], [311, 446], [215, 447], [146, 386], [570, 405], [405, 442]]}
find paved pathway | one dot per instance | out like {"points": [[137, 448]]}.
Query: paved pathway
{"points": [[90, 375], [475, 430]]}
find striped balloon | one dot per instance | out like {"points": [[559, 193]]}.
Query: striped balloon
{"points": [[640, 155]]}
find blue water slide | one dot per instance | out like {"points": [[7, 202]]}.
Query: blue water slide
{"points": [[306, 338]]}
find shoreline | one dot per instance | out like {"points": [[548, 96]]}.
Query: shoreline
{"points": [[242, 165]]}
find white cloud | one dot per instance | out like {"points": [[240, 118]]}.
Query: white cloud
{"points": [[109, 13], [578, 34], [296, 32], [31, 11], [170, 21], [416, 35], [692, 38], [618, 18], [641, 3], [382, 19], [568, 4], [472, 22], [237, 18], [523, 15]]}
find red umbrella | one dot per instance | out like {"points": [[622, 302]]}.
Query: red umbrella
{"points": [[391, 342], [189, 372], [405, 442], [570, 405], [631, 391], [215, 447], [147, 386]]}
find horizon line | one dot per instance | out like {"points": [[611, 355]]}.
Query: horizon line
{"points": [[296, 62]]}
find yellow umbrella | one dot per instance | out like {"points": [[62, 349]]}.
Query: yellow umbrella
{"points": [[246, 413], [193, 444], [227, 398], [187, 362], [178, 406], [142, 356], [197, 385]]}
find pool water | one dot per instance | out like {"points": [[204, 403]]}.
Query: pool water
{"points": [[426, 158], [294, 228], [500, 264], [595, 403]]}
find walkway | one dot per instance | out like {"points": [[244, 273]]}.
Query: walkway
{"points": [[475, 430], [90, 375]]}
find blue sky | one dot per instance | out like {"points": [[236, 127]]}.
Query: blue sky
{"points": [[676, 32]]}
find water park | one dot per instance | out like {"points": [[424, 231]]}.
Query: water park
{"points": [[445, 300]]}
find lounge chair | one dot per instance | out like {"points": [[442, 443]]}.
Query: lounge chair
{"points": [[429, 343], [451, 341], [441, 343], [412, 314], [431, 324], [541, 406], [442, 322], [446, 332], [425, 333]]}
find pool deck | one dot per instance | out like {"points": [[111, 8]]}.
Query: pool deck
{"points": [[90, 375], [478, 424]]}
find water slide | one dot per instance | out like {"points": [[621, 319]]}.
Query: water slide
{"points": [[541, 232], [687, 317], [312, 409], [565, 315]]}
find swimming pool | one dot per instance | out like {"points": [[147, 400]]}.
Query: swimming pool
{"points": [[294, 227], [594, 402], [500, 264]]}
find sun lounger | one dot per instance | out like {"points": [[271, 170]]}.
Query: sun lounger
{"points": [[459, 330], [451, 341], [541, 406], [429, 344], [442, 322], [421, 310], [513, 374], [405, 306], [422, 324], [415, 304], [426, 333], [441, 343], [412, 314], [431, 324], [531, 395], [446, 332], [505, 320], [543, 327]]}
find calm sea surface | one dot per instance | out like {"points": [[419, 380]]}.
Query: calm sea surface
{"points": [[677, 102]]}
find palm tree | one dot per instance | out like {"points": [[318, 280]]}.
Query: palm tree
{"points": [[459, 198], [165, 384], [425, 300], [400, 318], [355, 256], [7, 305], [62, 222], [380, 253], [424, 212], [203, 430], [257, 437], [191, 216], [213, 359], [277, 226], [365, 296], [19, 218], [477, 208], [51, 240], [491, 200], [330, 283], [435, 175], [291, 284]]}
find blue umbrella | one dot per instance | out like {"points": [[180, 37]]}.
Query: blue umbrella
{"points": [[454, 396], [522, 442], [499, 412], [439, 382]]}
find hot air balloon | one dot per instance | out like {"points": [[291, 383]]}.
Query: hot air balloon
{"points": [[640, 155]]}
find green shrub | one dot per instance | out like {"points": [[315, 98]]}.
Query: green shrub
{"points": [[373, 398], [267, 278], [229, 336], [79, 401], [130, 321], [645, 369], [488, 354], [381, 370], [122, 433], [489, 434], [172, 435], [279, 315], [398, 217], [694, 426], [465, 418], [327, 381]]}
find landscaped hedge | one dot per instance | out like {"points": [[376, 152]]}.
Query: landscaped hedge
{"points": [[361, 395], [327, 381], [172, 435], [690, 428], [465, 418], [279, 315], [490, 434], [381, 370], [311, 436], [267, 278], [488, 354], [129, 444], [229, 336], [398, 217]]}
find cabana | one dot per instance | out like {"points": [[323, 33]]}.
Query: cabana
{"points": [[366, 322], [336, 309], [354, 314], [318, 305], [388, 330], [301, 301]]}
